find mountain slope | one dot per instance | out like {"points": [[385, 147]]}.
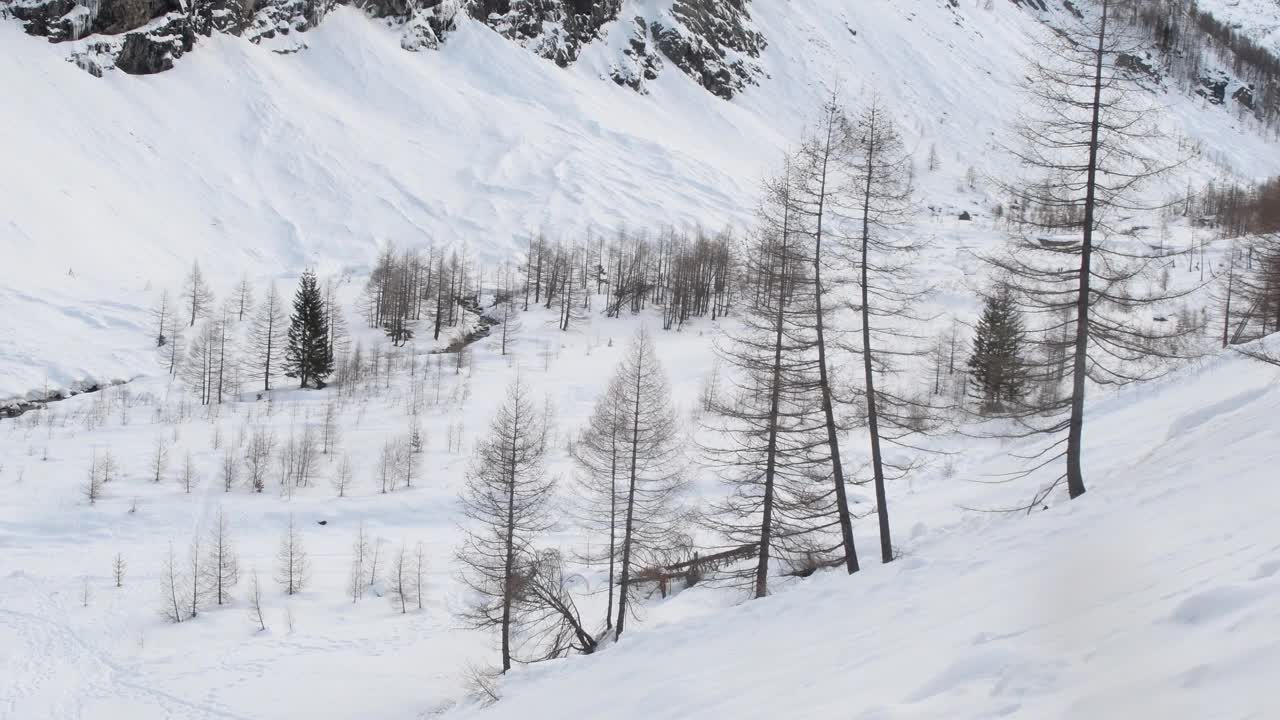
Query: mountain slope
{"points": [[253, 162], [1150, 597]]}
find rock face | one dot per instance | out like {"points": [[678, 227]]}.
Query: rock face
{"points": [[554, 29], [147, 53], [640, 62], [117, 16], [47, 19], [712, 42]]}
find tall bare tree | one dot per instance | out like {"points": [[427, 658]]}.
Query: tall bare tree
{"points": [[403, 589], [773, 451], [221, 570], [652, 463], [242, 299], [255, 602], [161, 314], [293, 568], [879, 176], [599, 452], [172, 606], [506, 500], [267, 338], [815, 197], [1085, 131], [196, 294]]}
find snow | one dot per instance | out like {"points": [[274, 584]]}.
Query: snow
{"points": [[1151, 593], [118, 655], [1150, 596], [1258, 19], [252, 161]]}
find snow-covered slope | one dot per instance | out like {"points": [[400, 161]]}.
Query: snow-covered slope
{"points": [[1153, 594], [1256, 19], [1152, 597], [255, 162]]}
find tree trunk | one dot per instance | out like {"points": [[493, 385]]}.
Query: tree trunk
{"points": [[873, 418], [631, 504], [833, 438], [510, 550], [1075, 432]]}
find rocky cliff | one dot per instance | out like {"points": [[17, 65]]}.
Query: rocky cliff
{"points": [[712, 41]]}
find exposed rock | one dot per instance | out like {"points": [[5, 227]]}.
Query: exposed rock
{"points": [[1140, 67], [154, 50], [699, 36], [1244, 96], [97, 57], [1033, 4], [45, 19], [712, 41], [226, 16], [1213, 89], [113, 17], [554, 29], [428, 25], [639, 62], [273, 18], [964, 215]]}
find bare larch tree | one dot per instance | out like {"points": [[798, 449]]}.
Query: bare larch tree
{"points": [[505, 499]]}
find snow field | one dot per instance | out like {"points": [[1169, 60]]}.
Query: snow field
{"points": [[119, 655], [1152, 596]]}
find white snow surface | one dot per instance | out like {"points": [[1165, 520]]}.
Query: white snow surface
{"points": [[250, 161], [1152, 596]]}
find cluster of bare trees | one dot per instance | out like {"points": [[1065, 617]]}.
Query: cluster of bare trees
{"points": [[1188, 42], [210, 572], [1239, 210], [1248, 289], [103, 468], [405, 571], [829, 288], [208, 576], [413, 285], [628, 497], [685, 274]]}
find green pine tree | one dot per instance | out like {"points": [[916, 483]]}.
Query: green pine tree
{"points": [[998, 371], [307, 355]]}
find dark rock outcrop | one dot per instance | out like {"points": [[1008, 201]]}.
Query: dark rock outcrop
{"points": [[554, 29], [697, 37], [711, 41], [117, 16], [147, 53], [640, 62], [46, 19], [1213, 89]]}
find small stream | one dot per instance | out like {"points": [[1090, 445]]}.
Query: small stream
{"points": [[13, 407]]}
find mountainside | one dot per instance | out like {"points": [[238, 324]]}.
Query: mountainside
{"points": [[251, 161], [175, 170]]}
